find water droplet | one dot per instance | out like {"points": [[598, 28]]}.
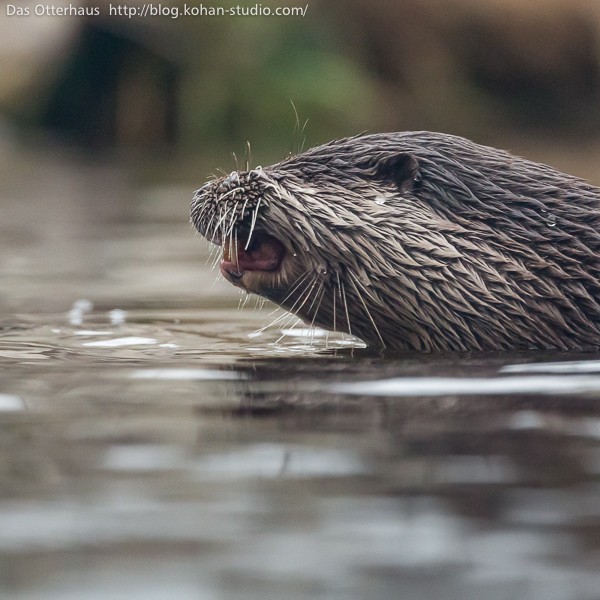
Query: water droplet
{"points": [[83, 305], [322, 270], [117, 316], [380, 200], [551, 220], [75, 317]]}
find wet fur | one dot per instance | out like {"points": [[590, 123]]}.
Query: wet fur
{"points": [[422, 241]]}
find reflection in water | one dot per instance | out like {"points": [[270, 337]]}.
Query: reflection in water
{"points": [[472, 386], [165, 452], [139, 471]]}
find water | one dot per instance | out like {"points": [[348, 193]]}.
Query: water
{"points": [[155, 443]]}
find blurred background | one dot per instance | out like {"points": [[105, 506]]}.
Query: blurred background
{"points": [[113, 118], [188, 91]]}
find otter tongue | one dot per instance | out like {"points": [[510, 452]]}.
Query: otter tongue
{"points": [[264, 254]]}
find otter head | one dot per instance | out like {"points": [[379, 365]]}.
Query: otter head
{"points": [[310, 232]]}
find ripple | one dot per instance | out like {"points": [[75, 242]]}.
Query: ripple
{"points": [[444, 386], [121, 342], [186, 374]]}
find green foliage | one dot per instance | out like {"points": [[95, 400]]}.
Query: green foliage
{"points": [[247, 75]]}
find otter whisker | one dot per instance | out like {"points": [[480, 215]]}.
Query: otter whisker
{"points": [[214, 253], [315, 296], [221, 223], [320, 294], [252, 225], [247, 296], [286, 318], [216, 259], [210, 232], [271, 323], [277, 309], [307, 293], [200, 208], [243, 211], [345, 302], [233, 221], [355, 282], [248, 155], [218, 253], [230, 192], [298, 132], [299, 281], [214, 225], [229, 247], [237, 256], [286, 326], [342, 294], [364, 289], [295, 286], [302, 299], [285, 314], [233, 227], [334, 310], [302, 134], [212, 250], [278, 319]]}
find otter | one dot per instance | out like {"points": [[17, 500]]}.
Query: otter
{"points": [[415, 241]]}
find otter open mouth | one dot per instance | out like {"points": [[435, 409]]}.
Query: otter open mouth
{"points": [[264, 253]]}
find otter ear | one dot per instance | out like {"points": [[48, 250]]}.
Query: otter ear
{"points": [[401, 169]]}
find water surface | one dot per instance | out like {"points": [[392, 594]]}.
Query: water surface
{"points": [[157, 442]]}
